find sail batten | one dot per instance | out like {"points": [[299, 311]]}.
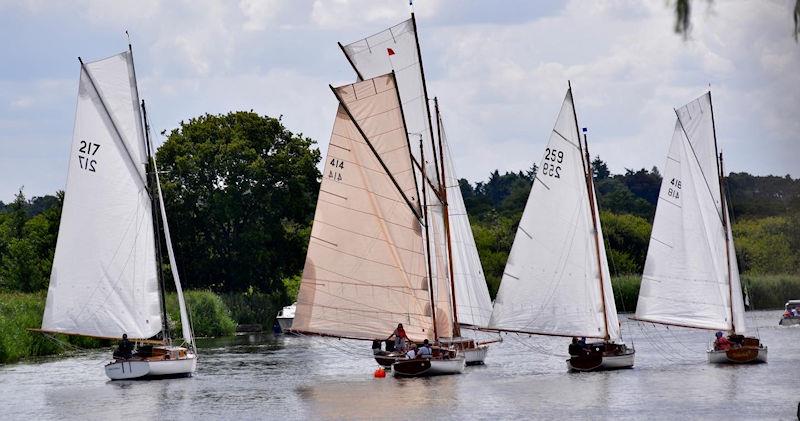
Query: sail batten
{"points": [[552, 284], [688, 280]]}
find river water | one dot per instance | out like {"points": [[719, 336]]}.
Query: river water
{"points": [[283, 377]]}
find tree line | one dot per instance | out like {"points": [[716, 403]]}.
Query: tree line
{"points": [[240, 191]]}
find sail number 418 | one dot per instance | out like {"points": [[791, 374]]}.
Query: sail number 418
{"points": [[675, 190]]}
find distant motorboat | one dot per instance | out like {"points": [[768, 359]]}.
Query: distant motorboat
{"points": [[285, 317], [791, 315]]}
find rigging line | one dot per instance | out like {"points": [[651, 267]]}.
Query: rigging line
{"points": [[397, 224], [697, 159]]}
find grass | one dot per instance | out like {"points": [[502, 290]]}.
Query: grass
{"points": [[767, 292], [20, 311]]}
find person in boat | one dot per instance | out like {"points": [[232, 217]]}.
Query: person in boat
{"points": [[124, 349], [721, 343], [425, 350], [412, 352], [575, 347], [400, 337]]}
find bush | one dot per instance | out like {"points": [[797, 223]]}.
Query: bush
{"points": [[626, 292], [765, 246], [771, 291], [254, 307], [20, 312], [207, 311]]}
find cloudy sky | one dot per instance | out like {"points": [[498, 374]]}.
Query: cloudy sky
{"points": [[500, 70]]}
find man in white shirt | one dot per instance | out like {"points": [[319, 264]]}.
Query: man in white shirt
{"points": [[412, 352]]}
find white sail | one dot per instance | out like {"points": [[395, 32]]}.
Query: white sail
{"points": [[396, 49], [103, 281], [186, 324], [552, 283], [365, 270], [472, 295], [685, 279]]}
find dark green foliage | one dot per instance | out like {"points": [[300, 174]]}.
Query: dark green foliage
{"points": [[626, 292], [207, 311], [254, 307], [763, 246], [627, 238], [240, 191]]}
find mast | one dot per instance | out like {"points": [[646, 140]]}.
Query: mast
{"points": [[151, 190], [428, 242], [427, 101], [724, 210], [587, 167], [446, 215]]}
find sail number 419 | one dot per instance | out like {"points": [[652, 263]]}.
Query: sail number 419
{"points": [[85, 152]]}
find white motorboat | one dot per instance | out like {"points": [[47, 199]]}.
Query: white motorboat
{"points": [[285, 317], [474, 353], [791, 314]]}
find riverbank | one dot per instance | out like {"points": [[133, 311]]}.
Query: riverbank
{"points": [[767, 292], [19, 312]]}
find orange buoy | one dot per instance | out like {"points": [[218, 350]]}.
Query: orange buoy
{"points": [[380, 373]]}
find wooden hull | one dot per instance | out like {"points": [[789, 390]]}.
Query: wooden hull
{"points": [[151, 369], [744, 355], [388, 360], [424, 367], [599, 363]]}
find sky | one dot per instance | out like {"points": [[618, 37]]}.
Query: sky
{"points": [[499, 69]]}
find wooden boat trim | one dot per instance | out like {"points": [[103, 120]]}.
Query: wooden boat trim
{"points": [[139, 340]]}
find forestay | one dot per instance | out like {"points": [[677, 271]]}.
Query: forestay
{"points": [[103, 281], [552, 283], [396, 49], [685, 280], [472, 295], [365, 270]]}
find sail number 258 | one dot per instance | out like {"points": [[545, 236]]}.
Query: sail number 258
{"points": [[552, 158], [86, 151]]}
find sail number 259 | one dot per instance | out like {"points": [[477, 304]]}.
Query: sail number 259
{"points": [[552, 158], [86, 151]]}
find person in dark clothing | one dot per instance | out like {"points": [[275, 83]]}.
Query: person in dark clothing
{"points": [[575, 348], [124, 349]]}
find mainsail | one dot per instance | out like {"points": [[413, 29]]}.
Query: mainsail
{"points": [[103, 281], [472, 295], [552, 284], [365, 270], [690, 279], [397, 49]]}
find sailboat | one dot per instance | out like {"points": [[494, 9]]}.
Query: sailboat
{"points": [[397, 50], [690, 277], [105, 280], [556, 281], [369, 260]]}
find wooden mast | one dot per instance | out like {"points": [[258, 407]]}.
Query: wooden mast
{"points": [[724, 210], [587, 167], [428, 243], [446, 214], [427, 101]]}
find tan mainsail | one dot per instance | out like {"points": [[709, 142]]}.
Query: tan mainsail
{"points": [[365, 270]]}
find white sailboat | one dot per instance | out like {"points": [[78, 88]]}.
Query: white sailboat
{"points": [[690, 277], [105, 281], [556, 281], [369, 260], [397, 50]]}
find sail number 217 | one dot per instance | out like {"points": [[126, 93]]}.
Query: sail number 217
{"points": [[552, 158], [86, 151]]}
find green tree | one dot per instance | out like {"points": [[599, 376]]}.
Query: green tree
{"points": [[240, 191]]}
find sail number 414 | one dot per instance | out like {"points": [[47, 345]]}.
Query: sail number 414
{"points": [[85, 152], [334, 172]]}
